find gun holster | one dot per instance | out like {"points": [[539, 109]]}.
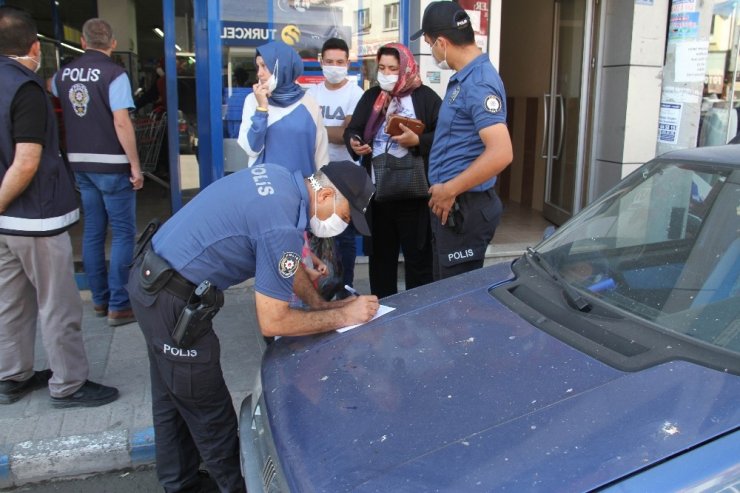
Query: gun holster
{"points": [[195, 319]]}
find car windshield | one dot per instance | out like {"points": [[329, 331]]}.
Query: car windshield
{"points": [[664, 246]]}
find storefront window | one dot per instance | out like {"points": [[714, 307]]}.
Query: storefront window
{"points": [[720, 111]]}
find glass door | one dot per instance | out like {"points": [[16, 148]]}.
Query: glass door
{"points": [[566, 107]]}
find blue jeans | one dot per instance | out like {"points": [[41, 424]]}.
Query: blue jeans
{"points": [[348, 252], [108, 198]]}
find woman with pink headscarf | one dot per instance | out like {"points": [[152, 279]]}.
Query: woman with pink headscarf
{"points": [[398, 225]]}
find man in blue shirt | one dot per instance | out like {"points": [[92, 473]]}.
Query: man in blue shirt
{"points": [[471, 144], [249, 224]]}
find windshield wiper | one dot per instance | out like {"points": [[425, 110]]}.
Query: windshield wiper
{"points": [[570, 294]]}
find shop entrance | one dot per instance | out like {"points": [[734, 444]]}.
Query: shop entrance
{"points": [[547, 69]]}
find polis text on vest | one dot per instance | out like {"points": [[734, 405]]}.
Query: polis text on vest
{"points": [[81, 74]]}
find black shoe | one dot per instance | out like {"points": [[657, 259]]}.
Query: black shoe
{"points": [[11, 391], [91, 394]]}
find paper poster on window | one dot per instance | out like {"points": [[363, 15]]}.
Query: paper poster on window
{"points": [[682, 94], [683, 25], [683, 6], [434, 76], [691, 61], [479, 13], [668, 122]]}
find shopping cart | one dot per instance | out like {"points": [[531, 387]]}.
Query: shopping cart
{"points": [[150, 131]]}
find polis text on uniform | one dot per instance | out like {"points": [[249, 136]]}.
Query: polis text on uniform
{"points": [[81, 74]]}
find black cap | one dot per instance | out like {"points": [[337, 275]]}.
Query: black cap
{"points": [[355, 184], [442, 16]]}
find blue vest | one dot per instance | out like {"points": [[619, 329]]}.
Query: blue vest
{"points": [[49, 205], [83, 87]]}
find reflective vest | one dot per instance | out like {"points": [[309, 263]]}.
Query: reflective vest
{"points": [[49, 205], [83, 87]]}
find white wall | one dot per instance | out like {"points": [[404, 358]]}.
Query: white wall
{"points": [[121, 15]]}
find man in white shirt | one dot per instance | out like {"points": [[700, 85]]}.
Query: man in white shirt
{"points": [[338, 97]]}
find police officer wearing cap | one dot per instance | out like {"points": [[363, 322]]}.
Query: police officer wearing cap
{"points": [[246, 225], [471, 144]]}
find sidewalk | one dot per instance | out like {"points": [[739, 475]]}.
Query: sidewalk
{"points": [[38, 442]]}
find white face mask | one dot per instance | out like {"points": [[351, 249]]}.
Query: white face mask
{"points": [[271, 84], [272, 81], [334, 74], [387, 82], [37, 62], [327, 228], [442, 64]]}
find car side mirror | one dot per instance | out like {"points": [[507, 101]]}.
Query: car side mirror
{"points": [[548, 232]]}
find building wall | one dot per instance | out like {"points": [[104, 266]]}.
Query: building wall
{"points": [[628, 90], [121, 14]]}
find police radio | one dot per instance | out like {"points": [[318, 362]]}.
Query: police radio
{"points": [[195, 318]]}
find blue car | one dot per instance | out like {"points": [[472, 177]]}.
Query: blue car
{"points": [[606, 358]]}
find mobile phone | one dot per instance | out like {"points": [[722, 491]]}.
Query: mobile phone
{"points": [[358, 139]]}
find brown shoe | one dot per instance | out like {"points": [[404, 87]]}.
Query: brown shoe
{"points": [[123, 317], [100, 310]]}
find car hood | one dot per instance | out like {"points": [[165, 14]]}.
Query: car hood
{"points": [[453, 391]]}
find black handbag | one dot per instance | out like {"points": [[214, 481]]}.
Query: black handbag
{"points": [[399, 178]]}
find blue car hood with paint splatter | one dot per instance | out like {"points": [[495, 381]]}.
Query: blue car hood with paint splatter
{"points": [[453, 391]]}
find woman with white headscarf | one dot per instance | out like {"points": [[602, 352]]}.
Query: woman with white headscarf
{"points": [[280, 123]]}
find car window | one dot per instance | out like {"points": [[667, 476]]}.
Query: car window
{"points": [[663, 246]]}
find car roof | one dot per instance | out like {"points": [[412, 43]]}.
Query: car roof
{"points": [[727, 154]]}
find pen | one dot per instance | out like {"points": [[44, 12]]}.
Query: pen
{"points": [[351, 290]]}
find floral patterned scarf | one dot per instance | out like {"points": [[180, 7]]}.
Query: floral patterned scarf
{"points": [[408, 81]]}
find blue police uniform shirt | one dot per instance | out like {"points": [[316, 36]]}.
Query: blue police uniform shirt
{"points": [[475, 99], [247, 224]]}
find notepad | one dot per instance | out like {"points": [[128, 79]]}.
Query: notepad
{"points": [[382, 310]]}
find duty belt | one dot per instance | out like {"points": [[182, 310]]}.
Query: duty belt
{"points": [[156, 275]]}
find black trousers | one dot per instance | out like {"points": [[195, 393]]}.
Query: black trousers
{"points": [[192, 410], [399, 226], [463, 249]]}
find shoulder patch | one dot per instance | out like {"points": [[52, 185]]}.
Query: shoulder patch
{"points": [[492, 104], [288, 264]]}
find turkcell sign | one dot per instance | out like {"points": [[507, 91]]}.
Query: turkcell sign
{"points": [[246, 33]]}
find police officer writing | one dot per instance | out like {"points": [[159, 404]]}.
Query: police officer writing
{"points": [[248, 224], [471, 144]]}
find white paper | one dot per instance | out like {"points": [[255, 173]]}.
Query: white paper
{"points": [[382, 310], [669, 122], [691, 61]]}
